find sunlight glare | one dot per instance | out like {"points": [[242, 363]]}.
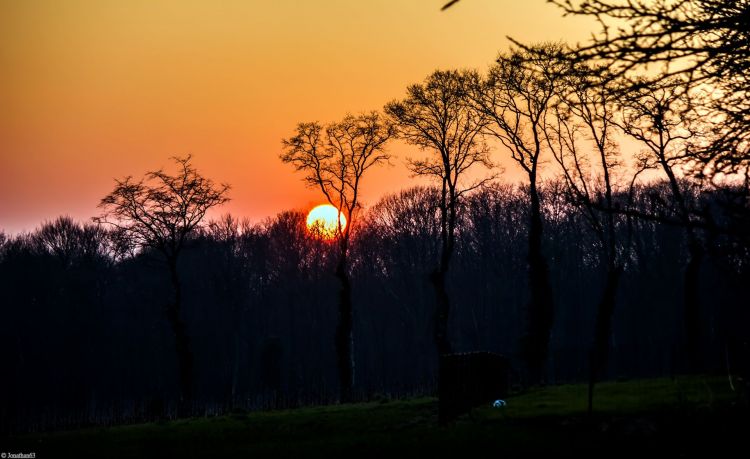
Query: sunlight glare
{"points": [[321, 221]]}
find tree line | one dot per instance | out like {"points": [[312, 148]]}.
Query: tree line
{"points": [[86, 338], [596, 273]]}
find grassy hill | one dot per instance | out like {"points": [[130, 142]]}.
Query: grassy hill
{"points": [[681, 417]]}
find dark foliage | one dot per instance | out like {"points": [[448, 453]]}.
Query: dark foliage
{"points": [[85, 339]]}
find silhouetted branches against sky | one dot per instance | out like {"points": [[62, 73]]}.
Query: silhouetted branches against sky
{"points": [[160, 210], [585, 116], [700, 44], [436, 117], [335, 157], [516, 98], [639, 32], [448, 5]]}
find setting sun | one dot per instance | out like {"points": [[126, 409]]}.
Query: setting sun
{"points": [[322, 220]]}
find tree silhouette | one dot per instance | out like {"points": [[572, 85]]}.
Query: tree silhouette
{"points": [[85, 341], [71, 242], [159, 212], [334, 159], [701, 44], [585, 115], [655, 115], [517, 97], [436, 117]]}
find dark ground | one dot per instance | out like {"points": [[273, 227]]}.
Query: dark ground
{"points": [[681, 417]]}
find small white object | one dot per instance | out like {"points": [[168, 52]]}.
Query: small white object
{"points": [[499, 403]]}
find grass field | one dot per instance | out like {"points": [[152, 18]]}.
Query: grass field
{"points": [[681, 417]]}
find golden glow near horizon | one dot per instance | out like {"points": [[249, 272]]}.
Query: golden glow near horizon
{"points": [[322, 221], [93, 90]]}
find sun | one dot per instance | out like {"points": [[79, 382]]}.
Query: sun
{"points": [[321, 221]]}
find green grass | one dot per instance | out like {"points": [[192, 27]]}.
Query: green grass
{"points": [[683, 416]]}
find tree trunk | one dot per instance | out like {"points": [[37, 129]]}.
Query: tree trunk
{"points": [[344, 337], [599, 353], [235, 371], [438, 276], [691, 302], [182, 343], [540, 308], [442, 311], [692, 306]]}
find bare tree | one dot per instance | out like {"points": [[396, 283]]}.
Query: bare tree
{"points": [[334, 159], [703, 42], [436, 117], [159, 212], [518, 96], [655, 115], [70, 242], [585, 119]]}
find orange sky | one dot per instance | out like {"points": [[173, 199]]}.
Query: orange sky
{"points": [[92, 90]]}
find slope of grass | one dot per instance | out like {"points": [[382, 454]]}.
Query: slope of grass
{"points": [[682, 417]]}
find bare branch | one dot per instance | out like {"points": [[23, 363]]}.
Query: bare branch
{"points": [[161, 210]]}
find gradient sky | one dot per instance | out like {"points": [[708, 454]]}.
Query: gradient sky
{"points": [[93, 90]]}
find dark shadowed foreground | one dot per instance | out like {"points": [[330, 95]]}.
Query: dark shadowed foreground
{"points": [[681, 417]]}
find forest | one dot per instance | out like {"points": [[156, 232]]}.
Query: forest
{"points": [[623, 253], [85, 338]]}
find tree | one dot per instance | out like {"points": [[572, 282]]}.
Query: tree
{"points": [[586, 114], [517, 97], [159, 213], [70, 242], [334, 159], [393, 255], [436, 117], [655, 116], [700, 44]]}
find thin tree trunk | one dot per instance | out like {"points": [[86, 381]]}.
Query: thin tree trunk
{"points": [[235, 372], [438, 276], [540, 309], [344, 337], [599, 353], [442, 311], [691, 301], [182, 342], [692, 305]]}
